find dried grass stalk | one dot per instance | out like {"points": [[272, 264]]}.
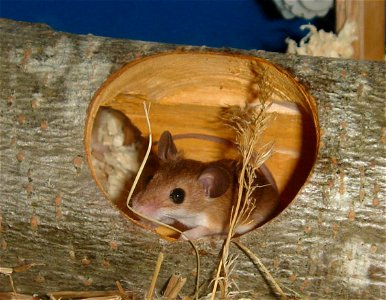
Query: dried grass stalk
{"points": [[267, 275], [150, 143], [175, 284], [249, 123], [147, 112], [122, 292], [89, 295], [15, 296], [7, 271], [150, 292]]}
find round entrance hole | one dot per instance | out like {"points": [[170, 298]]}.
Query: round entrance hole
{"points": [[187, 92]]}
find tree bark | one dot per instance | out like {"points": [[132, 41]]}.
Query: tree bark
{"points": [[328, 244]]}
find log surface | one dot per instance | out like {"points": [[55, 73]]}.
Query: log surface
{"points": [[329, 243]]}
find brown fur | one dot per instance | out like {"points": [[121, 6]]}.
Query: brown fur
{"points": [[210, 214]]}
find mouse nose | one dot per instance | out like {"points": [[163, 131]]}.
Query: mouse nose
{"points": [[145, 209]]}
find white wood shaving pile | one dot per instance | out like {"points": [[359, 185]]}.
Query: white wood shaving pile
{"points": [[115, 160], [328, 44]]}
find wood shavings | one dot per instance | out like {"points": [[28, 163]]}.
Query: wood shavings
{"points": [[115, 154], [328, 44]]}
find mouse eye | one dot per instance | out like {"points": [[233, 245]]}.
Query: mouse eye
{"points": [[177, 195]]}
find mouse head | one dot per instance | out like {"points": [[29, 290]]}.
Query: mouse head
{"points": [[181, 190]]}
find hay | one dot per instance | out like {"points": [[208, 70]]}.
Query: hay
{"points": [[248, 123]]}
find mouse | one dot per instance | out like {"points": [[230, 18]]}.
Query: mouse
{"points": [[198, 196]]}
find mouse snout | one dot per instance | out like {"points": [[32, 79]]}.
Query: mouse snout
{"points": [[147, 209]]}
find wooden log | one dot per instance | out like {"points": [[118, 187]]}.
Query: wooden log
{"points": [[329, 243], [188, 91]]}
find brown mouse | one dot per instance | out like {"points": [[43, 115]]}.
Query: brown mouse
{"points": [[199, 195]]}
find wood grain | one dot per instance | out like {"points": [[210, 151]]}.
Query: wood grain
{"points": [[369, 17]]}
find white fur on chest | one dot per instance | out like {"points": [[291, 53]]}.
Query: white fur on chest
{"points": [[191, 220]]}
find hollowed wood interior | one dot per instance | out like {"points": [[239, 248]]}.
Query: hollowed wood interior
{"points": [[187, 92]]}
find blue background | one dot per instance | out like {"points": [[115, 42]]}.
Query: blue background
{"points": [[246, 24]]}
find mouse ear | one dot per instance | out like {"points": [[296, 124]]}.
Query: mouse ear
{"points": [[215, 180], [167, 150]]}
